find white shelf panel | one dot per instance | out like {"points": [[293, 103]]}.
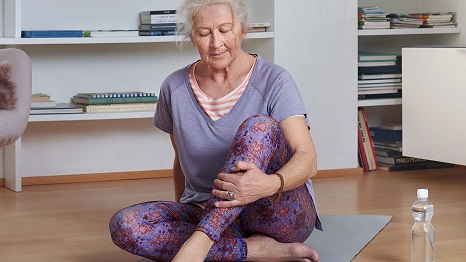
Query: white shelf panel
{"points": [[90, 116], [106, 40], [379, 102], [411, 31]]}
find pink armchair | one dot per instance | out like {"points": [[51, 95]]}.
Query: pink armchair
{"points": [[15, 94]]}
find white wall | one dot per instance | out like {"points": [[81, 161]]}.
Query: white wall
{"points": [[316, 40]]}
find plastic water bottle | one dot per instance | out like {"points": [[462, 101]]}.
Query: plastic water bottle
{"points": [[422, 233]]}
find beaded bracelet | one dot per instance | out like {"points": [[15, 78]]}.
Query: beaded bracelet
{"points": [[280, 190]]}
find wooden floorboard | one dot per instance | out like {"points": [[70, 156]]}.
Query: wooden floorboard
{"points": [[69, 222]]}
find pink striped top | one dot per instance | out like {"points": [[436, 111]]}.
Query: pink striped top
{"points": [[216, 108]]}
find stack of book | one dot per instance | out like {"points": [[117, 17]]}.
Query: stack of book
{"points": [[379, 76], [367, 158], [402, 21], [157, 23], [116, 102], [436, 19], [40, 100], [42, 105], [255, 27], [372, 17], [387, 139]]}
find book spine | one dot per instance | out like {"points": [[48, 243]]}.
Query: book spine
{"points": [[152, 27], [51, 33], [414, 166], [361, 140], [381, 134], [120, 108], [369, 147], [115, 100], [158, 12]]}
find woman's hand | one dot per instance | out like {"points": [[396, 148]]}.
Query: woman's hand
{"points": [[248, 183]]}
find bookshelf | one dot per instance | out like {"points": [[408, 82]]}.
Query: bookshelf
{"points": [[90, 116], [106, 40], [393, 40], [65, 66], [364, 43]]}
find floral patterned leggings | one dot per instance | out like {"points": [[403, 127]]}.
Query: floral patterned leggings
{"points": [[157, 230]]}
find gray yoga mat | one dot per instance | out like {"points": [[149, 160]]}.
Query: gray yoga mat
{"points": [[344, 236]]}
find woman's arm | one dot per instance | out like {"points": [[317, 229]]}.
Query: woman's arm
{"points": [[249, 188], [303, 164], [178, 176]]}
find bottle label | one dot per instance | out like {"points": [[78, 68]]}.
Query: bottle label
{"points": [[431, 239]]}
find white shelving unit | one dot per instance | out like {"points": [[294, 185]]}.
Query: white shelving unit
{"points": [[392, 41], [399, 32], [60, 64], [90, 116], [107, 40], [412, 31], [379, 102]]}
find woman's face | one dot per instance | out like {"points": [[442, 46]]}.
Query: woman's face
{"points": [[217, 36]]}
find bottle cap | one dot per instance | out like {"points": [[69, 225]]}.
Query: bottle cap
{"points": [[422, 193]]}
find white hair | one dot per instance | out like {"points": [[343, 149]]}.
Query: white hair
{"points": [[189, 8]]}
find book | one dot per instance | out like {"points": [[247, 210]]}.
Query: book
{"points": [[379, 81], [114, 94], [376, 63], [60, 108], [382, 23], [365, 56], [110, 33], [382, 134], [259, 24], [393, 69], [388, 146], [378, 76], [147, 18], [158, 27], [363, 27], [51, 33], [158, 12], [156, 33], [114, 100], [110, 108], [379, 96], [365, 142], [257, 29], [395, 160], [378, 91], [417, 166], [40, 97], [385, 152], [361, 148], [42, 104], [391, 126]]}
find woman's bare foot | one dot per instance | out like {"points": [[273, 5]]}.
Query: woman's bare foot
{"points": [[265, 248]]}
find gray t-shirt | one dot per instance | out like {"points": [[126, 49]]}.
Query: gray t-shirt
{"points": [[202, 143]]}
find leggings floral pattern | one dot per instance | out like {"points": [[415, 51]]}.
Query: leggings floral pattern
{"points": [[157, 230]]}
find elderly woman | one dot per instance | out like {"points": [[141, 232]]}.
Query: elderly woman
{"points": [[243, 154]]}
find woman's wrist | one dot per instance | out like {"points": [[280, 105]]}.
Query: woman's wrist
{"points": [[278, 190]]}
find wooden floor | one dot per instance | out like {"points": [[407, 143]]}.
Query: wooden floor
{"points": [[70, 222]]}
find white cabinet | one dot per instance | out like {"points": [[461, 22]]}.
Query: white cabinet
{"points": [[434, 103], [98, 143]]}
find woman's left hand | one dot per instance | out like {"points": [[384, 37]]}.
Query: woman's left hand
{"points": [[248, 183]]}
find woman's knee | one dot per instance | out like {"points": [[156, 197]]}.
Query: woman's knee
{"points": [[260, 120]]}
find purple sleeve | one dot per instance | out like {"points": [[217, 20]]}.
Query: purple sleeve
{"points": [[163, 114], [286, 100]]}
